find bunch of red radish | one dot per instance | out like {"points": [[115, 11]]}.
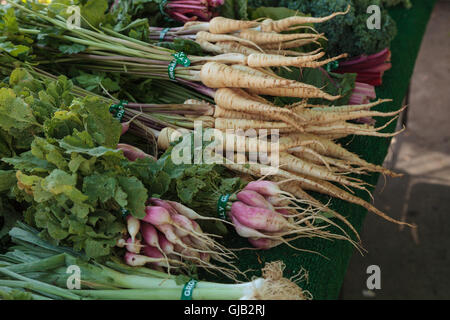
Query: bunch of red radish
{"points": [[265, 215], [168, 237]]}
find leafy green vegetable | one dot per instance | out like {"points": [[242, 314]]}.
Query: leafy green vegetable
{"points": [[347, 33], [234, 9]]}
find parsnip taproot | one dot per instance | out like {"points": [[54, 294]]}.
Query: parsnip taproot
{"points": [[264, 38], [219, 75], [273, 60], [286, 23], [234, 99], [294, 91]]}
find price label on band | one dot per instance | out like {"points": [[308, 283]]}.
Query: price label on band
{"points": [[222, 206], [188, 290]]}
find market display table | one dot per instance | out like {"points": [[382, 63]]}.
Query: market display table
{"points": [[326, 275]]}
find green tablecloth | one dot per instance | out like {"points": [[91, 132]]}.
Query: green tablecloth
{"points": [[326, 275]]}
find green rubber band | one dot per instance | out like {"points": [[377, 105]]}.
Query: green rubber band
{"points": [[118, 110], [222, 206], [332, 66], [182, 58], [188, 289], [163, 33], [171, 69], [125, 212]]}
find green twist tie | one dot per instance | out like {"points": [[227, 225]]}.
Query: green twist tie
{"points": [[222, 206], [188, 289], [332, 65], [125, 212], [180, 58], [171, 69], [118, 110], [163, 33]]}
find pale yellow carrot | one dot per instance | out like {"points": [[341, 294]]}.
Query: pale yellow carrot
{"points": [[235, 99], [291, 44], [291, 163], [286, 23], [272, 60], [232, 46], [210, 37], [219, 75], [221, 25], [264, 38], [317, 64], [296, 92]]}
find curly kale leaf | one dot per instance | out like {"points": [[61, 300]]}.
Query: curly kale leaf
{"points": [[348, 33]]}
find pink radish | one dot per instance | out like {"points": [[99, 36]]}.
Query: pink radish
{"points": [[133, 246], [166, 246], [152, 252], [185, 211], [149, 234], [285, 212], [244, 231], [188, 241], [264, 244], [157, 215], [126, 125], [186, 252], [137, 260], [169, 233], [258, 218], [263, 187], [133, 226], [121, 243], [162, 203], [276, 201], [184, 224], [125, 128], [132, 153], [205, 257], [254, 199]]}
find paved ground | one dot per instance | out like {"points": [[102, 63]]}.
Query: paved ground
{"points": [[415, 266]]}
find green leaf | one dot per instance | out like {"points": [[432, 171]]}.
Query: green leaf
{"points": [[27, 162], [94, 12], [60, 182], [97, 248], [136, 195], [62, 124], [82, 142], [7, 180], [187, 189], [234, 9], [99, 187], [12, 49], [55, 231], [44, 150], [14, 112], [101, 125]]}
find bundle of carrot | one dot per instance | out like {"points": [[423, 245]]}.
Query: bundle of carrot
{"points": [[309, 158], [109, 51]]}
